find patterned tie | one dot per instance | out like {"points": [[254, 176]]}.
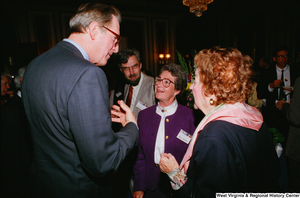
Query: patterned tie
{"points": [[129, 97], [282, 94]]}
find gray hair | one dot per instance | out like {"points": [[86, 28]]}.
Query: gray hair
{"points": [[17, 81], [90, 12]]}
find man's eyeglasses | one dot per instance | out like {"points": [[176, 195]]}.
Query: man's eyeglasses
{"points": [[118, 37], [134, 67], [165, 82], [281, 56]]}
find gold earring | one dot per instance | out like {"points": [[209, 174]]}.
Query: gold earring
{"points": [[211, 101]]}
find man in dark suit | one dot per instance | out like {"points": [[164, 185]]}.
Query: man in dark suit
{"points": [[66, 100], [272, 87]]}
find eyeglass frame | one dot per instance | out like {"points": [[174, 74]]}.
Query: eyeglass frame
{"points": [[158, 79], [118, 37], [133, 67]]}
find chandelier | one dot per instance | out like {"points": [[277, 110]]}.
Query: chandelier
{"points": [[197, 7]]}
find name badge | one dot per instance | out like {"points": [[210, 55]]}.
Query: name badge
{"points": [[141, 105], [118, 94], [184, 136]]}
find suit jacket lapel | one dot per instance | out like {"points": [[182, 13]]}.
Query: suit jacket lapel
{"points": [[141, 91], [126, 90]]}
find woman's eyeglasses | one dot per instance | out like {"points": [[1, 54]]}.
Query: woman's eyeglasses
{"points": [[165, 82]]}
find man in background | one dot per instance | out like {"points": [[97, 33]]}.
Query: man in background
{"points": [[272, 87], [139, 88], [5, 92], [18, 81], [138, 93], [264, 63], [66, 100]]}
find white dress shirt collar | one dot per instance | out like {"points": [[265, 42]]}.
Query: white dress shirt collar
{"points": [[167, 111]]}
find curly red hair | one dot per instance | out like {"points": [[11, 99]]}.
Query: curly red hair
{"points": [[226, 73]]}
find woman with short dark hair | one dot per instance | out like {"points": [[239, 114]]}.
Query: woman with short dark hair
{"points": [[165, 127]]}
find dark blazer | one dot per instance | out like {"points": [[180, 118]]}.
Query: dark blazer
{"points": [[292, 113], [272, 116], [66, 101], [147, 176], [231, 158]]}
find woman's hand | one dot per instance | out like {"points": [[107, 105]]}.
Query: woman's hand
{"points": [[167, 163], [122, 114], [138, 194]]}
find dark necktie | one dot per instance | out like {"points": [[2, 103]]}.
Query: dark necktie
{"points": [[129, 97], [282, 94]]}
